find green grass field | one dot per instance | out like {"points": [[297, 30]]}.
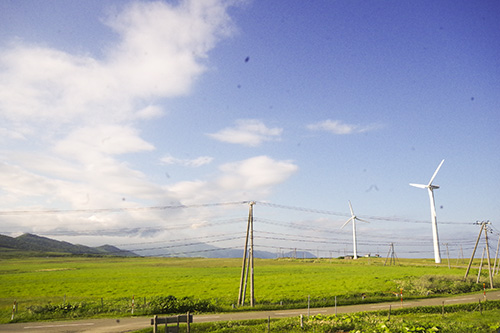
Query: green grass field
{"points": [[38, 281]]}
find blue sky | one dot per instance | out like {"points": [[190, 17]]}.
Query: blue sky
{"points": [[109, 108]]}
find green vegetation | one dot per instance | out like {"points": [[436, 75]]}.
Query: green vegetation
{"points": [[455, 319], [69, 287]]}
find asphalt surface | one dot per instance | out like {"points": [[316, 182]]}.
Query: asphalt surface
{"points": [[136, 323]]}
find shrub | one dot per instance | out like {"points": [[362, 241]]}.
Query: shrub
{"points": [[54, 309], [171, 304], [438, 284]]}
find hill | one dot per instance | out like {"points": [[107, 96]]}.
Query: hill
{"points": [[29, 244]]}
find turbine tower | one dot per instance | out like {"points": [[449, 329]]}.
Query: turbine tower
{"points": [[430, 189], [353, 219]]}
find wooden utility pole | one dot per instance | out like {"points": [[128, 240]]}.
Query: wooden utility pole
{"points": [[241, 292], [247, 267], [488, 253], [496, 257], [252, 295], [483, 227], [392, 254], [448, 255], [474, 251]]}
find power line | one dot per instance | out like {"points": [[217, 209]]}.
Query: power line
{"points": [[180, 206], [175, 254], [177, 240], [184, 245], [121, 209], [135, 230], [327, 212]]}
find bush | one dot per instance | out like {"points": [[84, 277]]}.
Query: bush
{"points": [[54, 309], [438, 284], [171, 304]]}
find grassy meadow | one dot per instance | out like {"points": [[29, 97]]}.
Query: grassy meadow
{"points": [[67, 284]]}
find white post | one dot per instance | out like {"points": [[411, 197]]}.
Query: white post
{"points": [[13, 310], [335, 305], [308, 304]]}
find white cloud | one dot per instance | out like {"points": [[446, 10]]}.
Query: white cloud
{"points": [[161, 44], [339, 127], [243, 180], [259, 172], [150, 112], [19, 182], [248, 132], [196, 162], [8, 133], [102, 139]]}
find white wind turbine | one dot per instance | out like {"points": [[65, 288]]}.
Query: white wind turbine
{"points": [[353, 219], [430, 189]]}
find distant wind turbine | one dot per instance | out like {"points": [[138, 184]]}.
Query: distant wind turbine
{"points": [[430, 189], [353, 219]]}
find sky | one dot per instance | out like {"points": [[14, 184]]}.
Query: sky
{"points": [[155, 123]]}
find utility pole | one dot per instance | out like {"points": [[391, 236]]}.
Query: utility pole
{"points": [[496, 257], [488, 253], [246, 268], [474, 251], [252, 296], [392, 254], [485, 228], [448, 255]]}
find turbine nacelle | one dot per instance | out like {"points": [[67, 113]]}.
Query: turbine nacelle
{"points": [[430, 186], [347, 222]]}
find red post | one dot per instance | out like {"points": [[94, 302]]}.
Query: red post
{"points": [[13, 310], [401, 297], [484, 290]]}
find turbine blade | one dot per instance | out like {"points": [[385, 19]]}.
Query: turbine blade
{"points": [[350, 207], [418, 185], [346, 222], [435, 173], [357, 218]]}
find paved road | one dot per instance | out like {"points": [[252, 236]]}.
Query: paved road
{"points": [[136, 323]]}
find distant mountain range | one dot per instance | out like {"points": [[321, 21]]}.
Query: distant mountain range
{"points": [[29, 244]]}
